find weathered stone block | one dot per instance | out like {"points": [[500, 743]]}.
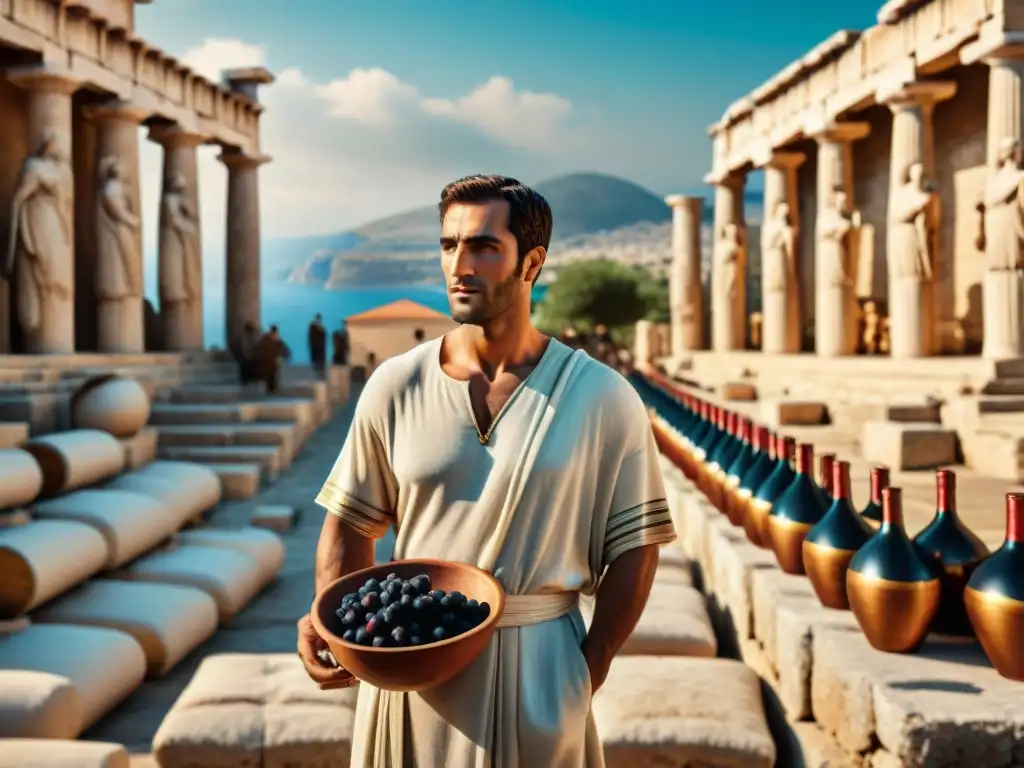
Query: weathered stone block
{"points": [[733, 560], [276, 517], [796, 622], [778, 413], [939, 708], [140, 448], [712, 714], [907, 446], [819, 750], [737, 390], [770, 588]]}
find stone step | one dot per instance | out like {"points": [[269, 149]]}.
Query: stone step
{"points": [[210, 394], [996, 454], [1008, 386], [239, 481], [204, 413], [908, 446], [299, 410], [251, 433], [1001, 404], [270, 458], [13, 434]]}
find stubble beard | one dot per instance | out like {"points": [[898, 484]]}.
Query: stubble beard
{"points": [[495, 303]]}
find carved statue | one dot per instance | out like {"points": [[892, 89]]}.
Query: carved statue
{"points": [[913, 217], [40, 250], [835, 223], [116, 236], [779, 261], [179, 245], [883, 336], [1001, 228], [756, 323], [731, 254], [870, 334]]}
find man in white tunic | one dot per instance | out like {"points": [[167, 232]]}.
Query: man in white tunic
{"points": [[499, 446]]}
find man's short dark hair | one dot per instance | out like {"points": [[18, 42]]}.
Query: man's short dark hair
{"points": [[529, 218]]}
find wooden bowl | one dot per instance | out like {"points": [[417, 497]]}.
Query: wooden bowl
{"points": [[420, 667]]}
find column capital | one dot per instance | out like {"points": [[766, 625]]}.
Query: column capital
{"points": [[773, 158], [821, 128], [242, 161], [726, 179], [44, 77], [247, 80], [920, 93], [684, 201], [993, 43], [117, 110], [175, 136]]}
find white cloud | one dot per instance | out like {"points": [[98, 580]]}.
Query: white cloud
{"points": [[367, 144]]}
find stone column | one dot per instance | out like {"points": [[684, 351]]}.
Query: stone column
{"points": [[912, 298], [835, 303], [45, 310], [729, 278], [780, 309], [1002, 289], [120, 320], [180, 260], [685, 294], [243, 243]]}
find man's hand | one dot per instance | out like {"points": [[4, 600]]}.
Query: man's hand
{"points": [[322, 673]]}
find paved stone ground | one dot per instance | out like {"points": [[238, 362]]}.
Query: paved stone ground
{"points": [[267, 625]]}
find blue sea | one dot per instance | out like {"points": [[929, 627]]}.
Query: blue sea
{"points": [[292, 307]]}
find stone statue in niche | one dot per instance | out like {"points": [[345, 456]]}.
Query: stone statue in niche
{"points": [[730, 252], [116, 236], [870, 333], [836, 222], [40, 252], [913, 219], [179, 245], [779, 236], [1001, 225]]}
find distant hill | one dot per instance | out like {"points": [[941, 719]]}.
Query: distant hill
{"points": [[588, 208]]}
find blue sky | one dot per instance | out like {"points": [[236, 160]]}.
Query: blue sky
{"points": [[626, 87]]}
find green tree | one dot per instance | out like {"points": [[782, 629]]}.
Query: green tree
{"points": [[588, 293]]}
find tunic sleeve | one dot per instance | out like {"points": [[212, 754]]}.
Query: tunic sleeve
{"points": [[638, 514], [361, 488]]}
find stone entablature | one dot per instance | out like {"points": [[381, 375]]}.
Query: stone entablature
{"points": [[93, 41], [845, 72]]}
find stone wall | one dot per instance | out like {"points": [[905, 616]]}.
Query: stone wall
{"points": [[13, 149], [960, 131], [871, 186]]}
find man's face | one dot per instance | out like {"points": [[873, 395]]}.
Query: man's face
{"points": [[479, 258]]}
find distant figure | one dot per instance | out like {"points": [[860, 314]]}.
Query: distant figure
{"points": [[245, 353], [269, 354], [340, 342], [317, 340], [419, 335], [570, 338], [603, 346]]}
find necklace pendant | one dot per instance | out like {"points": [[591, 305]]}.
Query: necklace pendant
{"points": [[484, 439]]}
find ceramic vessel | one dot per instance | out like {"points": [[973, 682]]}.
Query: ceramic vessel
{"points": [[757, 473], [872, 512], [825, 464], [832, 543], [760, 507], [721, 456], [419, 667], [894, 589], [746, 456], [957, 552], [995, 597], [798, 509]]}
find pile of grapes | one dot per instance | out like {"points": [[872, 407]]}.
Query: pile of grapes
{"points": [[399, 613]]}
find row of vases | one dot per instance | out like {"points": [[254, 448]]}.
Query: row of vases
{"points": [[943, 581]]}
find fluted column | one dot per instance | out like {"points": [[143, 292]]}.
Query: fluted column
{"points": [[180, 259], [913, 318], [729, 266], [120, 320], [1002, 288], [780, 288], [43, 232], [242, 283], [685, 291], [835, 240]]}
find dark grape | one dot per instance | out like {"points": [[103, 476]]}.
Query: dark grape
{"points": [[372, 585], [371, 601], [439, 633], [398, 634], [350, 619], [406, 601], [362, 636], [437, 594], [392, 577], [350, 635], [379, 642]]}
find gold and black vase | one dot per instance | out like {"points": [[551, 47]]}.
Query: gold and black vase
{"points": [[957, 552], [832, 543], [894, 589], [760, 468], [798, 509], [746, 455], [872, 512], [995, 597], [756, 524]]}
